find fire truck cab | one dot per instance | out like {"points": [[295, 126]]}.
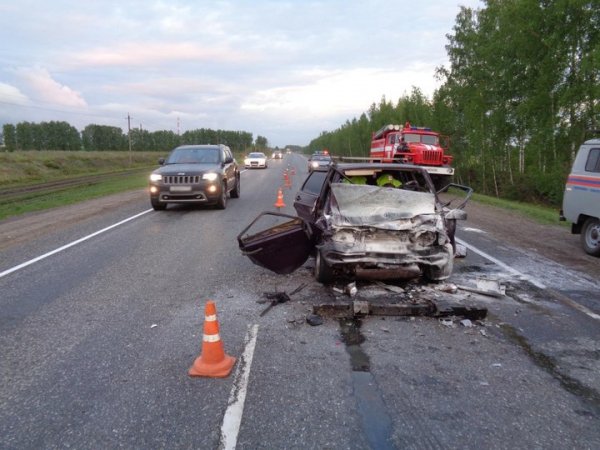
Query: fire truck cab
{"points": [[420, 146]]}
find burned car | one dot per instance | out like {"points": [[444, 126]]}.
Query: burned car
{"points": [[363, 220]]}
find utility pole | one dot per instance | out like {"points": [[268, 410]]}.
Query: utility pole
{"points": [[129, 134]]}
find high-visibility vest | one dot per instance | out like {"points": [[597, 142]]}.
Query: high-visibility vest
{"points": [[386, 179]]}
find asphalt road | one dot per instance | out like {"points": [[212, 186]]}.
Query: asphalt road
{"points": [[97, 340]]}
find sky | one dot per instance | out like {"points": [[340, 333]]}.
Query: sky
{"points": [[284, 70]]}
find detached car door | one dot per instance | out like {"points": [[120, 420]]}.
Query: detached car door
{"points": [[282, 248]]}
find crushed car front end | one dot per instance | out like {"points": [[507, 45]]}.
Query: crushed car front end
{"points": [[384, 233]]}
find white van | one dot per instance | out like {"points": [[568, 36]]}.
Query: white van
{"points": [[581, 200]]}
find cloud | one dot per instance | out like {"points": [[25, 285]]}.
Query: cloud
{"points": [[48, 90], [12, 95], [327, 93], [153, 54]]}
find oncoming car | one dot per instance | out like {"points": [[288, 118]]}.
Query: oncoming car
{"points": [[202, 174], [255, 160], [277, 154], [364, 220], [318, 160]]}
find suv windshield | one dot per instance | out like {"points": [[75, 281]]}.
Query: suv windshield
{"points": [[194, 156]]}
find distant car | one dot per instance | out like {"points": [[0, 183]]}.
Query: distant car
{"points": [[202, 174], [580, 200], [256, 160], [288, 152], [277, 154], [318, 160], [364, 220]]}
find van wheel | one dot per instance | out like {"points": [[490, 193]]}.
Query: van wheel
{"points": [[590, 236], [323, 272]]}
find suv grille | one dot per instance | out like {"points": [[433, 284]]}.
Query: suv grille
{"points": [[181, 179]]}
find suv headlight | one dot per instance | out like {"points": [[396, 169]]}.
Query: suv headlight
{"points": [[209, 176], [155, 177]]}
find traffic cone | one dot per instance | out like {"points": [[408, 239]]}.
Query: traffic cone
{"points": [[213, 361], [293, 172], [279, 203], [288, 182]]}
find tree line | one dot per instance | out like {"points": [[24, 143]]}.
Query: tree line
{"points": [[520, 94], [62, 136]]}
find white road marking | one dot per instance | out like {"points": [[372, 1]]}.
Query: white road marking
{"points": [[474, 230], [233, 415], [533, 281], [64, 247]]}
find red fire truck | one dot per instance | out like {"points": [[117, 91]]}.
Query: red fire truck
{"points": [[414, 145]]}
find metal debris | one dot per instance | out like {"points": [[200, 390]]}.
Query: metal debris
{"points": [[276, 299], [390, 287], [314, 320]]}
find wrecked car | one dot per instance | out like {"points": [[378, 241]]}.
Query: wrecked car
{"points": [[363, 220]]}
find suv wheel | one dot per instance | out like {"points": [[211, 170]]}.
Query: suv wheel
{"points": [[590, 236], [157, 206], [222, 201], [235, 193]]}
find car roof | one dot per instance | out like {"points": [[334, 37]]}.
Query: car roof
{"points": [[197, 146]]}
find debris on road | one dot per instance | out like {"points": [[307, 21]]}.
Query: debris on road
{"points": [[314, 320], [276, 298], [486, 286]]}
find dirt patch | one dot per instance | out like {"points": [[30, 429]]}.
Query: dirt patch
{"points": [[20, 229], [554, 242]]}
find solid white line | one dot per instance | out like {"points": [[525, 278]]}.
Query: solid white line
{"points": [[64, 247], [533, 281], [503, 265], [233, 415]]}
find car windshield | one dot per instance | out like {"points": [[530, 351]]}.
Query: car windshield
{"points": [[256, 155], [194, 156], [388, 208], [321, 158]]}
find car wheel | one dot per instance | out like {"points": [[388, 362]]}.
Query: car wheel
{"points": [[157, 206], [235, 193], [222, 201], [323, 272], [590, 236], [435, 273]]}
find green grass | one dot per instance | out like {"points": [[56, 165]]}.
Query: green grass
{"points": [[70, 196], [29, 167]]}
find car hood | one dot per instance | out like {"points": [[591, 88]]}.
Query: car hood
{"points": [[175, 169], [380, 207]]}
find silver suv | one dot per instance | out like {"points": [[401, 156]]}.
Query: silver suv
{"points": [[581, 200]]}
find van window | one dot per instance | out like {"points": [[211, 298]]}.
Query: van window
{"points": [[593, 161]]}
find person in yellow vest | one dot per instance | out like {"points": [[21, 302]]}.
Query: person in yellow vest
{"points": [[388, 180], [359, 179]]}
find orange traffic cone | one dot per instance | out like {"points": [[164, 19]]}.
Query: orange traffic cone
{"points": [[288, 182], [279, 203], [212, 362]]}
